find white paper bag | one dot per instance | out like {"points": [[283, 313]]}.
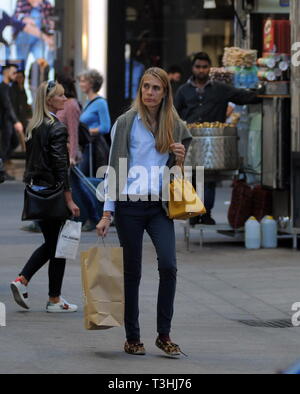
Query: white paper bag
{"points": [[69, 240]]}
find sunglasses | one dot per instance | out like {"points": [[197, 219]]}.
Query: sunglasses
{"points": [[51, 85]]}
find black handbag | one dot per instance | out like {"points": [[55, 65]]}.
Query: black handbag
{"points": [[47, 204], [84, 136], [101, 151]]}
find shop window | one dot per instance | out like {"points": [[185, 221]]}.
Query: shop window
{"points": [[168, 32]]}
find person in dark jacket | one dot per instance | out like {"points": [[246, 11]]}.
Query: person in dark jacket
{"points": [[20, 100], [10, 125], [202, 100], [47, 164]]}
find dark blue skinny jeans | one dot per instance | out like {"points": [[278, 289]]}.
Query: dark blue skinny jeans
{"points": [[132, 219]]}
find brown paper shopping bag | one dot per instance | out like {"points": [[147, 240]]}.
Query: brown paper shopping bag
{"points": [[103, 287]]}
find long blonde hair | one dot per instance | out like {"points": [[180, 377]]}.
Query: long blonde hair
{"points": [[167, 116], [41, 112]]}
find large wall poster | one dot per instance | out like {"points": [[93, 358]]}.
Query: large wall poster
{"points": [[27, 38]]}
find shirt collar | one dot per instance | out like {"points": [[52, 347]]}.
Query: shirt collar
{"points": [[191, 82], [55, 116], [139, 117]]}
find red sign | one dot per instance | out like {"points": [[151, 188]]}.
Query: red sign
{"points": [[269, 36]]}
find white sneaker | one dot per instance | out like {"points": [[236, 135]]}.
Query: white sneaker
{"points": [[20, 293], [62, 307]]}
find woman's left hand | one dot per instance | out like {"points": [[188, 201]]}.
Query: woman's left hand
{"points": [[179, 152]]}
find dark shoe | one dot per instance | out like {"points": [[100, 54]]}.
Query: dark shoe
{"points": [[195, 220], [207, 220], [88, 226], [170, 348], [32, 228], [136, 349]]}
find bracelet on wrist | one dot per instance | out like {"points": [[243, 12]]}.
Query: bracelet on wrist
{"points": [[107, 218]]}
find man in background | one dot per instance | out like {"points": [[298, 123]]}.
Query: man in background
{"points": [[203, 100], [11, 127], [20, 100]]}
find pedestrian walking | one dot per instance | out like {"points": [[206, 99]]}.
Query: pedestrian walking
{"points": [[47, 165], [20, 100], [20, 104], [95, 116], [70, 117], [150, 134], [10, 125]]}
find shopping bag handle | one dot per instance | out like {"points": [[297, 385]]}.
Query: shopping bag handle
{"points": [[105, 245]]}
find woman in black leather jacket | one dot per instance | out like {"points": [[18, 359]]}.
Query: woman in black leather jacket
{"points": [[47, 164]]}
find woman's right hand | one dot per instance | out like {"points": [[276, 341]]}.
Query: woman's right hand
{"points": [[103, 227], [71, 204], [73, 208], [72, 162]]}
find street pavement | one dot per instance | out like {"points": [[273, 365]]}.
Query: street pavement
{"points": [[218, 286]]}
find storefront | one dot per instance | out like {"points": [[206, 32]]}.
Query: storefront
{"points": [[146, 33], [122, 38]]}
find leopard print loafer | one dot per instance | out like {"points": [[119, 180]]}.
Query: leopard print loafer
{"points": [[137, 349], [170, 348]]}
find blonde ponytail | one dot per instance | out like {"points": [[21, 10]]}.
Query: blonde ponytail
{"points": [[41, 112]]}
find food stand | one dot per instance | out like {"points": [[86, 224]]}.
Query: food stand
{"points": [[270, 69]]}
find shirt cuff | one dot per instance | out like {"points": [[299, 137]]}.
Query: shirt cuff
{"points": [[109, 206]]}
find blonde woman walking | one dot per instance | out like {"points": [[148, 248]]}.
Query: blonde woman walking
{"points": [[47, 165], [150, 134]]}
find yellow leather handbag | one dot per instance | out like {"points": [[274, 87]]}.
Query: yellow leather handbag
{"points": [[184, 202]]}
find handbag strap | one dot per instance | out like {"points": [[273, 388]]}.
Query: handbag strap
{"points": [[91, 102], [181, 166]]}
